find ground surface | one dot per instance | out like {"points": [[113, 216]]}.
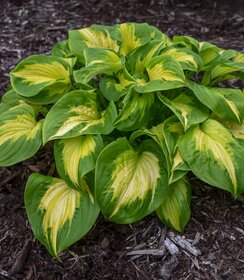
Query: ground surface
{"points": [[215, 234]]}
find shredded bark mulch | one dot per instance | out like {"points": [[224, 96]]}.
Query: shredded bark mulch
{"points": [[212, 245]]}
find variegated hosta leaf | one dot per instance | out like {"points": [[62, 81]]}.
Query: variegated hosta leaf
{"points": [[219, 72], [208, 53], [113, 89], [9, 100], [39, 73], [228, 65], [187, 108], [59, 215], [12, 99], [49, 95], [164, 73], [203, 46], [95, 36], [77, 156], [70, 60], [224, 68], [78, 113], [156, 34], [164, 68], [239, 57], [130, 183], [98, 61], [132, 36], [155, 133], [172, 130], [103, 56], [20, 134], [188, 42], [236, 130], [175, 211], [85, 87], [62, 49], [179, 167], [228, 54], [226, 103], [85, 74], [187, 58], [141, 56], [214, 156], [136, 112]]}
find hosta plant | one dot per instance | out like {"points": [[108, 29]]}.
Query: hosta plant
{"points": [[130, 112]]}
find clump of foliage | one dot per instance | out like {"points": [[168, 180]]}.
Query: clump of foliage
{"points": [[130, 112]]}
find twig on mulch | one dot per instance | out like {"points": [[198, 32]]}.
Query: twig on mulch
{"points": [[11, 177], [152, 252], [241, 231], [20, 259]]}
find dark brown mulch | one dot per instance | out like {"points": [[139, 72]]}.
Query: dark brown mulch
{"points": [[112, 251]]}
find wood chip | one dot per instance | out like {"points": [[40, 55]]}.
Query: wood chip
{"points": [[170, 246], [140, 246], [144, 234], [168, 267], [239, 230], [196, 238], [163, 235], [4, 273], [184, 244], [34, 168], [55, 28], [195, 263], [153, 252]]}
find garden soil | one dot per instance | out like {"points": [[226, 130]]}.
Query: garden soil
{"points": [[212, 246]]}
